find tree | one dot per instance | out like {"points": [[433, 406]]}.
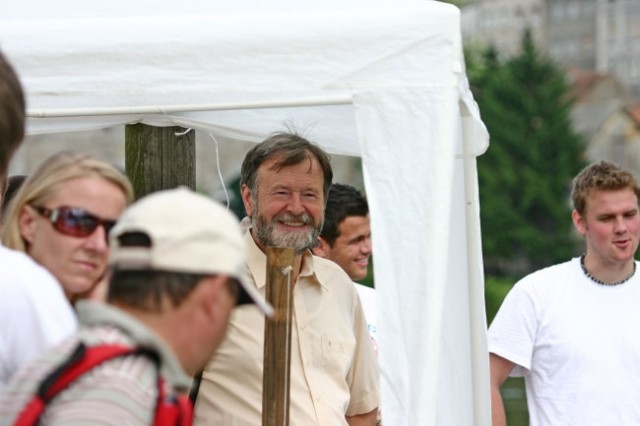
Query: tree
{"points": [[459, 3], [526, 173]]}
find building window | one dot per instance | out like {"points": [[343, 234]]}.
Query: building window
{"points": [[588, 7], [573, 10], [557, 11]]}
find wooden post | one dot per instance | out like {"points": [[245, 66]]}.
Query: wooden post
{"points": [[277, 337], [159, 158]]}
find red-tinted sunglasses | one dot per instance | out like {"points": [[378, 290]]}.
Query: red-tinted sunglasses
{"points": [[75, 221]]}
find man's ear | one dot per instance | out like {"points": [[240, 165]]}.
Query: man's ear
{"points": [[210, 293], [247, 200], [579, 222], [323, 249], [27, 223]]}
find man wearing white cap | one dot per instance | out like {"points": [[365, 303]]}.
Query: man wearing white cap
{"points": [[177, 260]]}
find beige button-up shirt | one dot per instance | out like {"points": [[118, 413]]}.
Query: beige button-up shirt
{"points": [[334, 371]]}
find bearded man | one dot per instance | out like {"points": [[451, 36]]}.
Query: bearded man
{"points": [[334, 372]]}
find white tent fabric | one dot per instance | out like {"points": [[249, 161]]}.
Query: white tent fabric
{"points": [[381, 79]]}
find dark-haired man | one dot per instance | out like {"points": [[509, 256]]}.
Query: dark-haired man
{"points": [[346, 239], [346, 234]]}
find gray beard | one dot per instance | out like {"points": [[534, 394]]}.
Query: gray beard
{"points": [[267, 235]]}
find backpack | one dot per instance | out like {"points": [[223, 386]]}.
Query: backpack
{"points": [[170, 411]]}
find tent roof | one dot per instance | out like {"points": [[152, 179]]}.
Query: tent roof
{"points": [[148, 62]]}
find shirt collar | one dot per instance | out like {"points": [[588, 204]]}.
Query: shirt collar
{"points": [[257, 264]]}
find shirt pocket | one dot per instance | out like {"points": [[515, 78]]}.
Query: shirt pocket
{"points": [[337, 356]]}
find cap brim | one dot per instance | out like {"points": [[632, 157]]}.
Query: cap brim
{"points": [[250, 294]]}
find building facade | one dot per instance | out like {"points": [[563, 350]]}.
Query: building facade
{"points": [[598, 35]]}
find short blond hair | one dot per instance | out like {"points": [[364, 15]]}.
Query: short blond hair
{"points": [[57, 169], [600, 176]]}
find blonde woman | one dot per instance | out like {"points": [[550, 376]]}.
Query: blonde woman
{"points": [[61, 217]]}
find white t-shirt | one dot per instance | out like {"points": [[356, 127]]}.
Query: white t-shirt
{"points": [[368, 300], [34, 313], [577, 344]]}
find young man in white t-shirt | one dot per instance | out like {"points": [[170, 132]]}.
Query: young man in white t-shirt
{"points": [[571, 329]]}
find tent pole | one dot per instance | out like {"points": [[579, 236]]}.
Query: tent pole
{"points": [[165, 109], [277, 337], [477, 315], [159, 158]]}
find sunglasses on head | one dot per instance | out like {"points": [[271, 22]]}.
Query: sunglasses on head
{"points": [[74, 221]]}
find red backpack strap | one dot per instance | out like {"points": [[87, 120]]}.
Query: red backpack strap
{"points": [[172, 410], [79, 362]]}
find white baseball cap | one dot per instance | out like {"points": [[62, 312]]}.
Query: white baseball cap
{"points": [[188, 232]]}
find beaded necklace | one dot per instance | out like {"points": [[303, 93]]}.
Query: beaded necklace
{"points": [[597, 281]]}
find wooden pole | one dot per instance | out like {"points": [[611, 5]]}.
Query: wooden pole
{"points": [[277, 337], [159, 157]]}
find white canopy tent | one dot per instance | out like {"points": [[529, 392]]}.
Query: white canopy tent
{"points": [[380, 79]]}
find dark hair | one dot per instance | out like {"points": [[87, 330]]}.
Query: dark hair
{"points": [[147, 290], [290, 149], [600, 176], [13, 184], [12, 113], [343, 201]]}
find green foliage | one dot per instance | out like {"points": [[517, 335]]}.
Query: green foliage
{"points": [[235, 198], [495, 290], [368, 280], [526, 173], [458, 3], [513, 392]]}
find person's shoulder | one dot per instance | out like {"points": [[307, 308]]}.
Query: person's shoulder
{"points": [[326, 266], [25, 285], [7, 254], [553, 270], [18, 267], [548, 276], [21, 278], [365, 291], [330, 273], [114, 383], [367, 298]]}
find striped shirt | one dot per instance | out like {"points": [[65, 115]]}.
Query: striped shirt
{"points": [[122, 391]]}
